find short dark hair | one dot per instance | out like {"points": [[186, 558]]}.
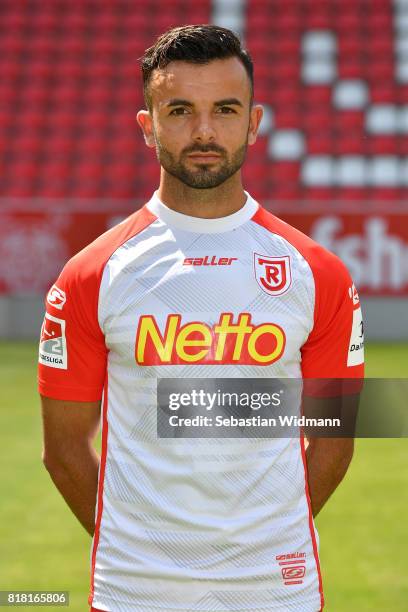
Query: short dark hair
{"points": [[198, 44]]}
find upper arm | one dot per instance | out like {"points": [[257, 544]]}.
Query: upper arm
{"points": [[68, 426], [72, 352], [334, 348]]}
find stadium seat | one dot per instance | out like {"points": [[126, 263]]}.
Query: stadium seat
{"points": [[11, 44], [319, 142], [350, 143], [350, 94], [286, 117], [318, 194], [383, 145], [291, 192], [286, 144], [317, 118], [349, 120], [382, 92], [325, 71], [24, 146]]}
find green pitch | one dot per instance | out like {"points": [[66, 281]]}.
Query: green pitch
{"points": [[363, 528]]}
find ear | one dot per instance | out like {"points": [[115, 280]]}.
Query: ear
{"points": [[145, 121], [254, 122]]}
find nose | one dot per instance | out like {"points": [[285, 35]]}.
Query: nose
{"points": [[203, 130]]}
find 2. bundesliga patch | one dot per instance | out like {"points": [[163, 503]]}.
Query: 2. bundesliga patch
{"points": [[53, 344], [356, 345]]}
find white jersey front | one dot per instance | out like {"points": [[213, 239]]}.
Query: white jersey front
{"points": [[198, 525]]}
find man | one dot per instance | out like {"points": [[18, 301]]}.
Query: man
{"points": [[202, 282]]}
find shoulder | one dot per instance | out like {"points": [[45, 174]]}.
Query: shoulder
{"points": [[327, 268], [88, 264]]}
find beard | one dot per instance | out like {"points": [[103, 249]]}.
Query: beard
{"points": [[205, 176]]}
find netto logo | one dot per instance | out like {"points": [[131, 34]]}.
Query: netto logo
{"points": [[225, 342]]}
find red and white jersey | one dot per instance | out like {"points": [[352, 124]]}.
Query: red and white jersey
{"points": [[198, 525]]}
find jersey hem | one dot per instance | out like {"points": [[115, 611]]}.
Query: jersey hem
{"points": [[315, 606]]}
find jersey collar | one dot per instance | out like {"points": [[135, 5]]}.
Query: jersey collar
{"points": [[202, 226]]}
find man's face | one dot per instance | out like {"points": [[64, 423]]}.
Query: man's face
{"points": [[200, 120]]}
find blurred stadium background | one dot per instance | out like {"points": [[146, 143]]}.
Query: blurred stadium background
{"points": [[332, 159]]}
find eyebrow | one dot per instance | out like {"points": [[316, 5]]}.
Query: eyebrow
{"points": [[225, 102]]}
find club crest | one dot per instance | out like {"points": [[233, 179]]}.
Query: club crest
{"points": [[273, 274]]}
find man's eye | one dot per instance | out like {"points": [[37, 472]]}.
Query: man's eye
{"points": [[226, 110], [178, 111]]}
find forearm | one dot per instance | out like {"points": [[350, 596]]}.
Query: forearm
{"points": [[76, 478], [327, 463]]}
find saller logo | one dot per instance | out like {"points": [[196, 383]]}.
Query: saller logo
{"points": [[273, 274], [289, 573], [225, 342]]}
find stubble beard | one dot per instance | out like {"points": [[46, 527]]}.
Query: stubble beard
{"points": [[205, 176]]}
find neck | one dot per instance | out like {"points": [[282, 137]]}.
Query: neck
{"points": [[219, 201]]}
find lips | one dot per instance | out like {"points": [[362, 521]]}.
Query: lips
{"points": [[204, 156]]}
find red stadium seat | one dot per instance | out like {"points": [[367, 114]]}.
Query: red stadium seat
{"points": [[57, 146], [351, 45], [383, 194], [56, 170], [31, 118], [286, 192], [383, 91], [403, 145], [44, 22], [24, 170], [383, 145], [88, 171], [287, 94], [91, 148], [98, 96], [34, 96], [286, 172], [74, 46], [7, 119], [349, 120], [352, 196], [319, 143], [10, 69], [380, 69], [316, 95], [349, 20], [351, 68], [25, 146], [350, 143], [318, 194], [317, 118], [64, 97], [11, 44], [287, 117]]}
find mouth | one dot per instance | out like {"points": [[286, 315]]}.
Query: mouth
{"points": [[204, 157]]}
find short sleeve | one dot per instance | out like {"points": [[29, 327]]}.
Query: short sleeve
{"points": [[335, 346], [72, 351]]}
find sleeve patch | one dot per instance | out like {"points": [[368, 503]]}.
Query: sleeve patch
{"points": [[356, 346], [53, 345]]}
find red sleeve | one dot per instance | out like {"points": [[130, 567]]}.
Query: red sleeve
{"points": [[72, 353], [335, 346]]}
